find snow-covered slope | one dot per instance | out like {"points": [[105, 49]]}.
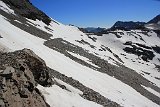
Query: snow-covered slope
{"points": [[120, 68]]}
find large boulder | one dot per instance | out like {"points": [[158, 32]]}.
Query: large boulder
{"points": [[20, 73], [36, 65], [18, 88]]}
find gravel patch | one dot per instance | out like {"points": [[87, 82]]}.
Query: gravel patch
{"points": [[122, 73]]}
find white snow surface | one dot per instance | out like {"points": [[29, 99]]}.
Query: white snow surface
{"points": [[15, 39], [83, 58], [69, 87], [58, 97], [39, 24], [17, 21]]}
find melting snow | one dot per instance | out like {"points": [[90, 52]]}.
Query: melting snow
{"points": [[57, 97], [83, 58]]}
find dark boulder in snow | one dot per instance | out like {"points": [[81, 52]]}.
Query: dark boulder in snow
{"points": [[142, 51]]}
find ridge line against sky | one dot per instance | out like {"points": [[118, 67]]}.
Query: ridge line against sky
{"points": [[98, 13]]}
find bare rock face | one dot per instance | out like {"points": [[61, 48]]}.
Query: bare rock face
{"points": [[36, 65], [18, 88], [20, 72], [26, 9]]}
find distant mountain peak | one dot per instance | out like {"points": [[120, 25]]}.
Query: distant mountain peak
{"points": [[155, 20], [94, 29], [154, 24], [128, 25]]}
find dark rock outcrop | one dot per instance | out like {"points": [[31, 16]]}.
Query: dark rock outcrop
{"points": [[20, 72], [26, 9], [158, 32], [143, 51], [35, 64], [156, 49], [18, 87]]}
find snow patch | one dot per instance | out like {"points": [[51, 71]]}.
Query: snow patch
{"points": [[69, 87], [83, 58], [57, 97], [18, 21]]}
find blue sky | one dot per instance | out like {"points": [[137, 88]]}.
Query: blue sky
{"points": [[98, 13]]}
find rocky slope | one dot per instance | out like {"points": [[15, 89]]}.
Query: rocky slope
{"points": [[113, 69], [26, 9]]}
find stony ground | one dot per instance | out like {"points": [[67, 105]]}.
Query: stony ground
{"points": [[35, 64], [43, 75], [122, 73]]}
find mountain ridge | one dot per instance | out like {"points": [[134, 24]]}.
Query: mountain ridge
{"points": [[127, 25], [155, 19], [26, 9]]}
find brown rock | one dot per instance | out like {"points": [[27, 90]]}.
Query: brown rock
{"points": [[20, 90]]}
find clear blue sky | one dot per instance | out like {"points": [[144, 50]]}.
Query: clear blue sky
{"points": [[98, 13]]}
